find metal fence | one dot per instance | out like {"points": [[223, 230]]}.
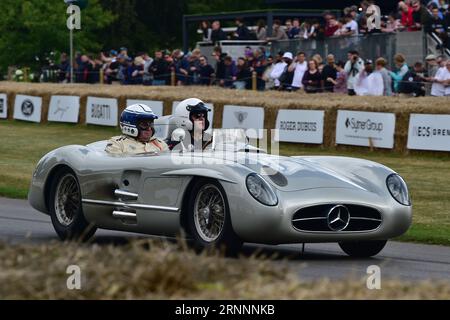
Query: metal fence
{"points": [[369, 47]]}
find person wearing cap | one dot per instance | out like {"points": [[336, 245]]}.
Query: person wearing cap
{"points": [[137, 126], [124, 63], [112, 67], [113, 54], [432, 64], [280, 68], [124, 51], [287, 76], [369, 83]]}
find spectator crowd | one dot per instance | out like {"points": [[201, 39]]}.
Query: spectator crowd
{"points": [[287, 71]]}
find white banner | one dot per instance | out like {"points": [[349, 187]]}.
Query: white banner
{"points": [[157, 106], [360, 128], [238, 117], [210, 114], [28, 108], [3, 106], [64, 109], [429, 132], [102, 111], [304, 126]]}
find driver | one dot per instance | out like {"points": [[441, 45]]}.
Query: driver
{"points": [[137, 125], [193, 114]]}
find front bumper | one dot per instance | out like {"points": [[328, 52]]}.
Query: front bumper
{"points": [[254, 222]]}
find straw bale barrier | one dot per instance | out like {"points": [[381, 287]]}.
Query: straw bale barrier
{"points": [[271, 101]]}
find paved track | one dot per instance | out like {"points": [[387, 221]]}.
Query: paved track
{"points": [[19, 223]]}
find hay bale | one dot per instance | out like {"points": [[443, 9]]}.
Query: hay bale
{"points": [[271, 101]]}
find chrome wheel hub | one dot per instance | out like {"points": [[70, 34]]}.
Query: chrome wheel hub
{"points": [[209, 213], [67, 200]]}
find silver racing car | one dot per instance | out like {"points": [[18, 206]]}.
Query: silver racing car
{"points": [[228, 195]]}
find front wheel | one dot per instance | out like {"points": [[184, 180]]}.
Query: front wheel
{"points": [[209, 221], [66, 211], [363, 249]]}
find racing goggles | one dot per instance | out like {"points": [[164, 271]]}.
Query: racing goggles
{"points": [[145, 125], [198, 115]]}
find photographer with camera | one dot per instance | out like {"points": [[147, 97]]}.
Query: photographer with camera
{"points": [[353, 67]]}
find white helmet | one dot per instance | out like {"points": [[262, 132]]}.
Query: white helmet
{"points": [[188, 106], [131, 116]]}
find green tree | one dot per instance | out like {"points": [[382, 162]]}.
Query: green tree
{"points": [[33, 28]]}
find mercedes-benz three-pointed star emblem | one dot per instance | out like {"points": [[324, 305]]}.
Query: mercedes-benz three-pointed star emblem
{"points": [[338, 218]]}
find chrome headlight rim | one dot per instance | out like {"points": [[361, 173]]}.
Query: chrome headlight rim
{"points": [[266, 187], [404, 189]]}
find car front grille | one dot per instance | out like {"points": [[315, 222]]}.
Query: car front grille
{"points": [[318, 219]]}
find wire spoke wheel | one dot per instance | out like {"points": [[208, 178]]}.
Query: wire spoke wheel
{"points": [[209, 213], [67, 200]]}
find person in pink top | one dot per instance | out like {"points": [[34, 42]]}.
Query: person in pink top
{"points": [[340, 84]]}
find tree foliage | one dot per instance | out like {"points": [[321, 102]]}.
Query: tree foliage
{"points": [[144, 25], [33, 28]]}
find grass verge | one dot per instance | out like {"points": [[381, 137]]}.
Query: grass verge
{"points": [[156, 270], [23, 144]]}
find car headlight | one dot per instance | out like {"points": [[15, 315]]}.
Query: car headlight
{"points": [[398, 189], [261, 190]]}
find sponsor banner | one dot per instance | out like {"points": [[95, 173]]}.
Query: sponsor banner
{"points": [[28, 108], [360, 128], [303, 126], [210, 114], [239, 117], [64, 109], [3, 106], [429, 132], [157, 106], [102, 111]]}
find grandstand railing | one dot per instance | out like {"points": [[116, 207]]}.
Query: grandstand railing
{"points": [[436, 46], [373, 46]]}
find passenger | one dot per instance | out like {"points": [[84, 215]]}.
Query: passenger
{"points": [[194, 114], [137, 125]]}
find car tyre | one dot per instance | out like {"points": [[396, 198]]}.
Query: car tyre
{"points": [[363, 249], [209, 220], [66, 210]]}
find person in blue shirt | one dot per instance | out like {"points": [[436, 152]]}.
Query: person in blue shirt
{"points": [[294, 32]]}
